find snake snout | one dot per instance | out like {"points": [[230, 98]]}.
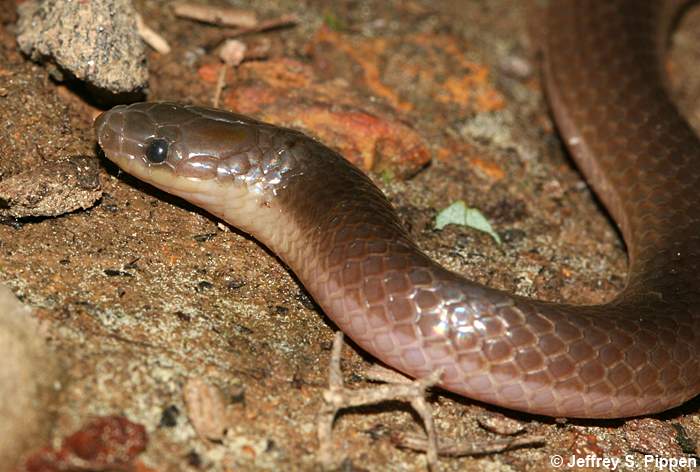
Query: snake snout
{"points": [[108, 130]]}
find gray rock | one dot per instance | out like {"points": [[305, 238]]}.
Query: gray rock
{"points": [[96, 41], [52, 189]]}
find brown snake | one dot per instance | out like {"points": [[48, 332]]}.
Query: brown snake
{"points": [[637, 354]]}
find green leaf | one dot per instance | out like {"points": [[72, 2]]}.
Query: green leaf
{"points": [[460, 214], [387, 176]]}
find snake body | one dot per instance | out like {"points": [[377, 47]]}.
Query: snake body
{"points": [[638, 354]]}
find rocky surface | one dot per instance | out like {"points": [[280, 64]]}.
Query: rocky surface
{"points": [[143, 295]]}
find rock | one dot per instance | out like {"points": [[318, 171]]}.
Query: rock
{"points": [[52, 189], [96, 41], [28, 375]]}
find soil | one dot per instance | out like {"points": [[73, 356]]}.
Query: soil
{"points": [[142, 292]]}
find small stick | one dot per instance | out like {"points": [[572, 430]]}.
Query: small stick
{"points": [[420, 443], [150, 37], [285, 20], [232, 54], [337, 397], [223, 16], [379, 373]]}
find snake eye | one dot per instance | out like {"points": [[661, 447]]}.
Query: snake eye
{"points": [[156, 150]]}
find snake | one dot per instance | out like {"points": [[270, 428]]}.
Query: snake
{"points": [[635, 355]]}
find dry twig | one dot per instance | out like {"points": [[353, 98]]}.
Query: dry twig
{"points": [[337, 397], [451, 449], [224, 16], [151, 38], [282, 21], [232, 53]]}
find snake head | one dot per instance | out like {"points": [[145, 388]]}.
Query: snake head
{"points": [[151, 140], [215, 159]]}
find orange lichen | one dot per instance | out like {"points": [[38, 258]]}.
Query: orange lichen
{"points": [[251, 99], [467, 83], [367, 54], [283, 73], [209, 72], [490, 169], [369, 141]]}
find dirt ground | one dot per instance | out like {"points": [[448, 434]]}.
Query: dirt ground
{"points": [[442, 101]]}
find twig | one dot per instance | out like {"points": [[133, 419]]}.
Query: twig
{"points": [[224, 16], [232, 54], [282, 21], [150, 37], [219, 86], [450, 449], [379, 373], [337, 397]]}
